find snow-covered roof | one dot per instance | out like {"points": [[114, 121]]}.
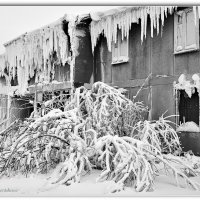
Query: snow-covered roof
{"points": [[66, 17], [35, 31], [97, 16], [109, 21], [32, 52]]}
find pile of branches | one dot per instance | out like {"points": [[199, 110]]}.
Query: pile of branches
{"points": [[99, 128]]}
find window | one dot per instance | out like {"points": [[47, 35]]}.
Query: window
{"points": [[186, 32], [120, 49]]}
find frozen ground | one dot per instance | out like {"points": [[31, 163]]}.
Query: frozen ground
{"points": [[37, 185]]}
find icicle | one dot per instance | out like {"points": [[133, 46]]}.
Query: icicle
{"points": [[157, 17], [71, 31], [162, 14], [145, 20], [142, 25], [152, 19]]}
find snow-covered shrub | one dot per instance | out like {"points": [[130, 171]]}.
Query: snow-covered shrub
{"points": [[107, 110], [159, 134], [96, 129], [124, 162], [131, 162]]}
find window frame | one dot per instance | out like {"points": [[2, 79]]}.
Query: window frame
{"points": [[120, 59], [186, 48]]}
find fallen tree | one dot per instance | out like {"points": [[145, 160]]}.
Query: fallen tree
{"points": [[98, 128]]}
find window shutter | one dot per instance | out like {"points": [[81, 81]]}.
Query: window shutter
{"points": [[120, 49], [114, 51], [123, 49], [192, 36], [179, 32], [186, 31]]}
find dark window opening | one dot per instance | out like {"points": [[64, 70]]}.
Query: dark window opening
{"points": [[189, 107], [6, 71], [3, 81], [97, 58], [21, 108], [183, 8], [65, 29], [31, 80], [59, 98], [14, 81]]}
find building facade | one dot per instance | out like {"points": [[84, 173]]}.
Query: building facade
{"points": [[150, 49], [154, 48]]}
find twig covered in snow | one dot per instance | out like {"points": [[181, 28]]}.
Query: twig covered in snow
{"points": [[124, 163], [159, 134]]}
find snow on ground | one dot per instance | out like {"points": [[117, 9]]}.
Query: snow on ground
{"points": [[37, 185]]}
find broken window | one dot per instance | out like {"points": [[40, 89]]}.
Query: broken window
{"points": [[186, 31], [46, 101], [120, 49], [188, 107]]}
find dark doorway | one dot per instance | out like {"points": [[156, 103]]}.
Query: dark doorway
{"points": [[97, 62], [102, 59], [189, 107]]}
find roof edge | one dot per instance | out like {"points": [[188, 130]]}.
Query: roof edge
{"points": [[33, 31]]}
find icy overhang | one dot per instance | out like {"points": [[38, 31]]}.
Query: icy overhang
{"points": [[2, 64], [108, 22], [34, 32], [33, 52], [188, 83]]}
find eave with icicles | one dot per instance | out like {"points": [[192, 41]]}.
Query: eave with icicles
{"points": [[32, 52], [107, 23]]}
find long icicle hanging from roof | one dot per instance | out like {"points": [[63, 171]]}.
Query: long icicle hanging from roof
{"points": [[109, 24]]}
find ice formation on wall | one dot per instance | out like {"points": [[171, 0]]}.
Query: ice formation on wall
{"points": [[109, 22], [5, 81], [188, 84], [2, 64], [71, 32], [32, 52]]}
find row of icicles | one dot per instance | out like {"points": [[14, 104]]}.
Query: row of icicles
{"points": [[32, 52], [109, 24]]}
